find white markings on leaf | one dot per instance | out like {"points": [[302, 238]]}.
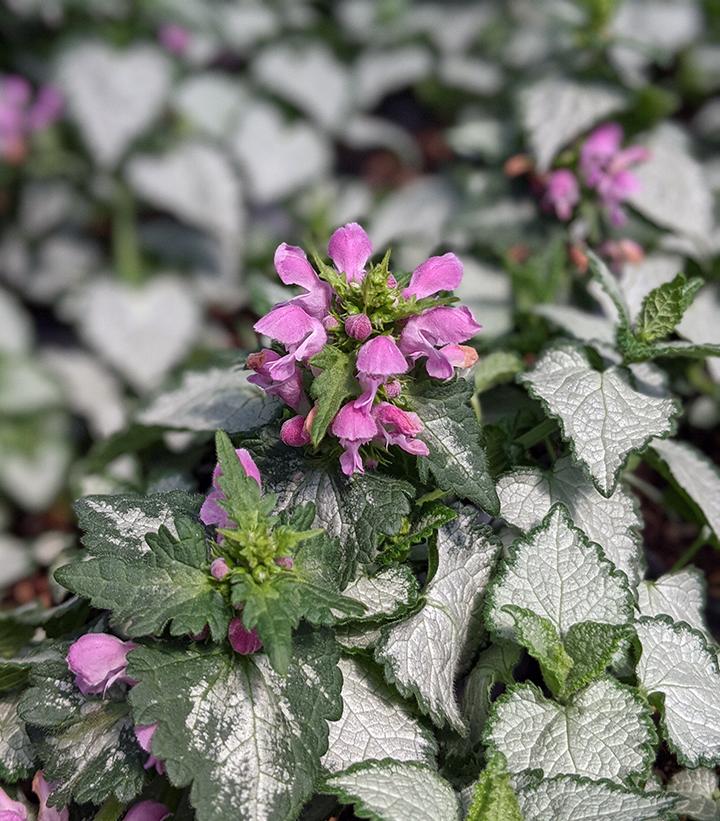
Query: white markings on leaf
{"points": [[681, 596]]}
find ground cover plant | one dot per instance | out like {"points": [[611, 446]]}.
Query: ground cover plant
{"points": [[359, 410]]}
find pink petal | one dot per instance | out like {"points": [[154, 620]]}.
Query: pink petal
{"points": [[380, 356], [442, 273], [350, 248], [148, 811], [350, 460], [42, 790], [288, 323], [98, 660], [13, 810], [353, 424], [293, 268], [460, 356], [406, 422]]}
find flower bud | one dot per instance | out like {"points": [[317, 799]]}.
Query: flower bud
{"points": [[393, 389], [391, 281], [358, 326], [241, 639], [98, 660], [286, 562], [219, 568], [293, 432], [330, 323], [148, 811]]}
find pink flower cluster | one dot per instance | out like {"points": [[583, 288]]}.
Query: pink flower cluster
{"points": [[361, 321], [17, 811], [20, 115], [604, 168]]}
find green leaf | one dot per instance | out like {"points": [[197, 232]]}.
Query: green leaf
{"points": [[170, 583], [496, 368], [664, 306], [330, 388], [17, 756], [244, 500], [457, 458], [493, 797], [359, 512], [248, 740], [86, 744], [420, 527]]}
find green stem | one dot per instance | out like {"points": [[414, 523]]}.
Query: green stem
{"points": [[126, 251], [689, 554], [111, 810], [537, 434]]}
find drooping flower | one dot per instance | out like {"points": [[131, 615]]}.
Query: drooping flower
{"points": [[290, 390], [435, 334], [98, 660], [562, 193], [302, 335], [358, 326], [144, 734], [11, 810], [606, 168], [243, 641], [212, 512], [399, 427], [294, 433], [174, 38], [148, 811], [378, 359], [354, 427], [42, 790], [436, 274], [293, 268], [350, 249]]}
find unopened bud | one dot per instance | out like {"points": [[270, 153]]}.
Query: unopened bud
{"points": [[358, 326]]}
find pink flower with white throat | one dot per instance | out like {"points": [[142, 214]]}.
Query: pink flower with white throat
{"points": [[378, 360], [435, 334], [354, 427], [350, 249], [99, 660]]}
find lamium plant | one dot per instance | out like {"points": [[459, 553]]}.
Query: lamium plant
{"points": [[413, 582]]}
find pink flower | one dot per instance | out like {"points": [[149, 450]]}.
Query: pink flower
{"points": [[174, 38], [435, 274], [219, 568], [98, 660], [353, 427], [241, 639], [358, 326], [399, 427], [294, 269], [18, 117], [42, 790], [148, 811], [293, 432], [212, 512], [435, 334], [378, 359], [290, 391], [605, 167], [46, 109], [302, 335], [562, 193], [11, 810], [144, 734], [350, 249]]}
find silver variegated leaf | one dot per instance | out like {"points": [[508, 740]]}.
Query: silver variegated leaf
{"points": [[17, 755], [676, 663], [422, 654], [680, 595], [613, 522], [375, 723], [698, 791], [385, 594], [394, 791], [604, 731], [602, 414]]}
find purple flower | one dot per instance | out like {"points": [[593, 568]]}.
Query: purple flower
{"points": [[350, 249], [98, 660], [174, 38], [148, 811], [144, 734], [294, 432], [212, 512], [302, 335], [358, 326], [290, 391], [435, 334], [294, 269], [219, 568], [46, 109], [399, 427], [242, 640], [605, 167], [435, 274], [354, 427], [378, 359], [11, 810], [42, 790], [18, 117], [562, 193]]}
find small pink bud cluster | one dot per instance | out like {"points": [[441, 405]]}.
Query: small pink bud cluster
{"points": [[385, 348], [21, 115], [604, 168]]}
